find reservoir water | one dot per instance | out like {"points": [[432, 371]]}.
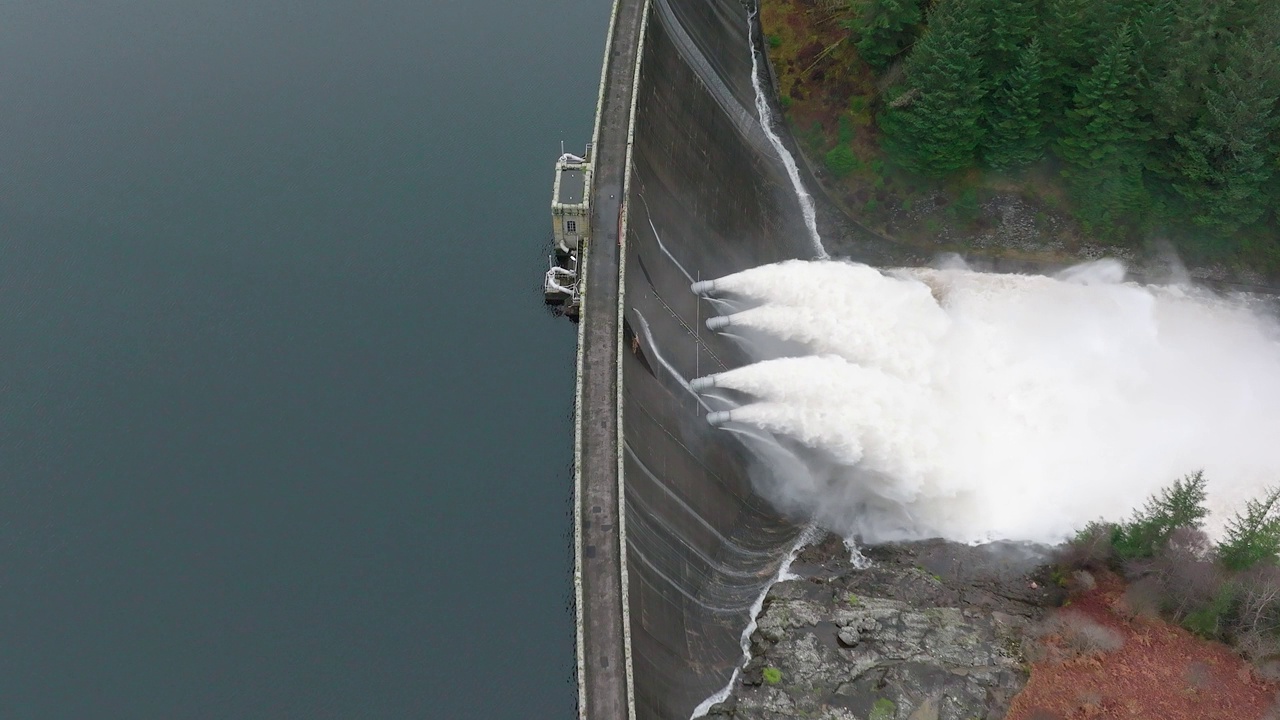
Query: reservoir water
{"points": [[284, 429]]}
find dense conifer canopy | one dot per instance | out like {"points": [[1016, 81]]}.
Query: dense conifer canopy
{"points": [[1161, 112]]}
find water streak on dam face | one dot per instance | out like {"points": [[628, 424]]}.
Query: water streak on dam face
{"points": [[708, 196]]}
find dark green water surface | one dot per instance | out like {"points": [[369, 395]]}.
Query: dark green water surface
{"points": [[284, 429]]}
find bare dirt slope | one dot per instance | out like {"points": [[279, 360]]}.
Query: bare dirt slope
{"points": [[1098, 660]]}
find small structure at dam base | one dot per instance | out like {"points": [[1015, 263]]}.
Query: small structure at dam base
{"points": [[571, 229]]}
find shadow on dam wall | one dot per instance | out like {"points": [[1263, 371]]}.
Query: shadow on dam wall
{"points": [[707, 185]]}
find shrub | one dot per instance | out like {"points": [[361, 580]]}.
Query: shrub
{"points": [[1083, 580], [841, 161], [1089, 701], [1259, 601], [1258, 646], [1143, 598], [775, 41], [1229, 593], [1264, 652], [883, 709], [967, 207], [785, 101], [1090, 549], [813, 137], [1070, 634], [1183, 570], [1084, 636], [772, 675], [845, 132], [1212, 620], [1199, 675]]}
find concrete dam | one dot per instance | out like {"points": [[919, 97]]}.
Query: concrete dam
{"points": [[672, 545]]}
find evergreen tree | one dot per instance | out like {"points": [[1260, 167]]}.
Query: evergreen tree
{"points": [[1181, 505], [934, 127], [1015, 136], [1111, 198], [1181, 67], [886, 28], [1153, 31], [1225, 161], [1103, 112], [1010, 23], [1100, 139], [1253, 536], [1236, 16], [1069, 37]]}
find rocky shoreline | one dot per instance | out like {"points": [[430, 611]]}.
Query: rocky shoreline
{"points": [[921, 631]]}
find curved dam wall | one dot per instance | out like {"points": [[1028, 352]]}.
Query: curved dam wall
{"points": [[707, 196]]}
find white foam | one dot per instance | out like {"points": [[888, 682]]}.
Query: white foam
{"points": [[977, 406], [793, 172]]}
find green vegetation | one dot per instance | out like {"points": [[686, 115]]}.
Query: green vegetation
{"points": [[1015, 134], [1114, 102], [883, 709], [1181, 505], [1254, 536], [967, 207], [1229, 591], [1059, 576], [841, 161], [932, 126], [1147, 117], [772, 675], [884, 28]]}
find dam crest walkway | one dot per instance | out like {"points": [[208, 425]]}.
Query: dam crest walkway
{"points": [[603, 653]]}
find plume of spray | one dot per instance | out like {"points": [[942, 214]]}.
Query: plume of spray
{"points": [[979, 407]]}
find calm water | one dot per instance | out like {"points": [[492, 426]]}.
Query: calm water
{"points": [[284, 429]]}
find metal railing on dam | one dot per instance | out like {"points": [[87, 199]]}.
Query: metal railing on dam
{"points": [[672, 543]]}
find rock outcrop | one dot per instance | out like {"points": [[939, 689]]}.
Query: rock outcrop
{"points": [[927, 631]]}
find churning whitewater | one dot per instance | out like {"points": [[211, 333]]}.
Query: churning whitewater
{"points": [[977, 406]]}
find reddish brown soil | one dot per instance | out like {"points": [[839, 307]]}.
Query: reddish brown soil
{"points": [[1162, 672]]}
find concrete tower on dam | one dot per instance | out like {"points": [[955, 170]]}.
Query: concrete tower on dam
{"points": [[570, 230], [672, 543]]}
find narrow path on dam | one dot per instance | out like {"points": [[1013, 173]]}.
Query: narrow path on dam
{"points": [[602, 652]]}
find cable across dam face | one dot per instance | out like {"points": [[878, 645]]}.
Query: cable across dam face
{"points": [[674, 547]]}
